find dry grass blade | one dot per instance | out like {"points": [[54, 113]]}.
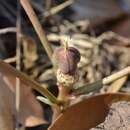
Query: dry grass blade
{"points": [[117, 75], [7, 69], [10, 60], [8, 30], [37, 26], [18, 64], [116, 86], [58, 8]]}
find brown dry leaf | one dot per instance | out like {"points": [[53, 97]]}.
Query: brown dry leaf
{"points": [[6, 116], [88, 113], [29, 51], [31, 112], [116, 86]]}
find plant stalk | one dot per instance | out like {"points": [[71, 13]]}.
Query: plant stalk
{"points": [[99, 84], [6, 69], [37, 26], [63, 94], [116, 76], [58, 8], [63, 97]]}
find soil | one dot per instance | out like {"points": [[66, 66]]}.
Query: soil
{"points": [[118, 117]]}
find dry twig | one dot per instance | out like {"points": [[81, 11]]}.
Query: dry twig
{"points": [[58, 8], [18, 64], [8, 30], [37, 26], [10, 60]]}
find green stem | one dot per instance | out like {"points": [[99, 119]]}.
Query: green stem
{"points": [[63, 97]]}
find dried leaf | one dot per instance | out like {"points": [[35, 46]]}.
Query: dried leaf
{"points": [[29, 51], [88, 113], [6, 118], [31, 112]]}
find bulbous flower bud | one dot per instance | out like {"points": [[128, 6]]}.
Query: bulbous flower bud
{"points": [[67, 59]]}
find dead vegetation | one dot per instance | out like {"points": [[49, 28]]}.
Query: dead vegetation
{"points": [[101, 37]]}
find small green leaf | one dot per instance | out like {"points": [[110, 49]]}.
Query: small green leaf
{"points": [[88, 88], [45, 100]]}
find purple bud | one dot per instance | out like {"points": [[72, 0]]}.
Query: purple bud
{"points": [[67, 59]]}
